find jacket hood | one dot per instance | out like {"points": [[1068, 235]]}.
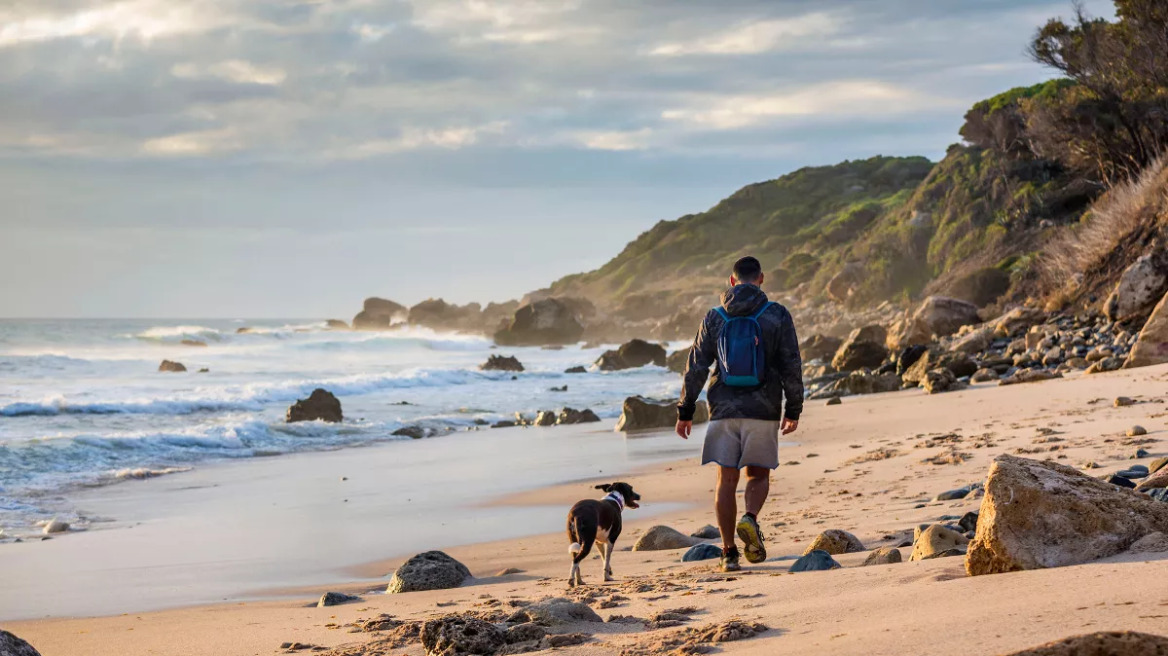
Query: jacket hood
{"points": [[743, 300]]}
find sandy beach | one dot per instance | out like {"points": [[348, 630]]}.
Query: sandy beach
{"points": [[865, 466]]}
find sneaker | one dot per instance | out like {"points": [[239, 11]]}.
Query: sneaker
{"points": [[730, 559], [751, 536]]}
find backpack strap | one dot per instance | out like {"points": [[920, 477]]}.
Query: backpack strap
{"points": [[721, 312], [764, 308]]}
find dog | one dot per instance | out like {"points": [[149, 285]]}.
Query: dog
{"points": [[598, 521]]}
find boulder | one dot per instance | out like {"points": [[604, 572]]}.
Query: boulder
{"points": [[335, 324], [321, 404], [984, 376], [707, 532], [552, 611], [502, 363], [660, 538], [1043, 514], [677, 360], [632, 354], [1150, 543], [941, 380], [544, 418], [835, 542], [437, 314], [431, 570], [168, 365], [412, 432], [702, 552], [1140, 286], [958, 363], [943, 316], [10, 645], [975, 341], [909, 356], [1029, 376], [335, 599], [1129, 643], [982, 286], [639, 413], [864, 347], [819, 347], [576, 370], [905, 333], [461, 635], [936, 540], [883, 556], [549, 321], [817, 560], [379, 314], [840, 287], [573, 416], [1151, 345]]}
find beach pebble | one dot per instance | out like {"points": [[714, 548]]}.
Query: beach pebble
{"points": [[1140, 453], [56, 525], [835, 542], [935, 540], [976, 493], [815, 561], [1121, 481], [835, 400], [707, 532], [1135, 471], [950, 495], [968, 521], [1135, 431], [883, 556], [335, 599], [702, 552], [1123, 401], [660, 537], [432, 570]]}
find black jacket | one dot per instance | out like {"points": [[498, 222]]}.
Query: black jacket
{"points": [[784, 368]]}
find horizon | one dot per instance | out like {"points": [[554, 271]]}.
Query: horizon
{"points": [[192, 161]]}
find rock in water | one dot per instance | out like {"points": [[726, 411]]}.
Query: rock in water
{"points": [[551, 611], [814, 561], [660, 538], [835, 542], [1043, 514], [545, 322], [10, 645], [545, 418], [639, 413], [168, 365], [335, 599], [335, 324], [573, 416], [321, 404], [501, 363], [864, 347], [1108, 643], [458, 635], [883, 556], [677, 360], [56, 526], [576, 370], [1151, 346], [702, 552], [432, 570], [632, 354], [379, 314], [936, 540]]}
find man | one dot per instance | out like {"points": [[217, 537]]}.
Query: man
{"points": [[754, 344]]}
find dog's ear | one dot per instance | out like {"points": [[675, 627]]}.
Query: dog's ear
{"points": [[607, 487]]}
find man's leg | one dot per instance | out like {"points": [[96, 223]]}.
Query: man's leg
{"points": [[726, 503], [758, 486]]}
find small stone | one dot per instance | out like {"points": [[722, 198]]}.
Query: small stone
{"points": [[950, 495], [814, 561], [707, 532], [835, 542], [335, 599], [1136, 431], [935, 540], [835, 400], [1135, 471], [1123, 401], [1140, 453], [883, 556], [1121, 481], [702, 552], [1159, 494]]}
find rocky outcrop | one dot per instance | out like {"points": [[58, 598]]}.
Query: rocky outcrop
{"points": [[632, 354], [502, 363], [1151, 345], [461, 635], [841, 285], [10, 645], [335, 324], [549, 321], [573, 416], [677, 360], [321, 404], [437, 314], [640, 413], [819, 347], [1140, 286], [1128, 643], [864, 347], [660, 538], [835, 542], [379, 314], [1043, 514], [171, 366], [431, 570]]}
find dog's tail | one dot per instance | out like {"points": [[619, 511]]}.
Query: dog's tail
{"points": [[575, 548]]}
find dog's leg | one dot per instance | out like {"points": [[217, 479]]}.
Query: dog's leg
{"points": [[573, 574], [608, 561]]}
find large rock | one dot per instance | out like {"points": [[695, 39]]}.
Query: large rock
{"points": [[431, 570], [859, 382], [702, 552], [975, 341], [574, 416], [10, 645], [437, 314], [843, 283], [321, 404], [1043, 514], [1110, 643], [942, 316], [864, 347], [552, 611], [835, 542], [1151, 346], [460, 635], [550, 321], [379, 314], [632, 354], [1140, 286], [171, 366], [502, 363], [660, 538], [959, 364], [677, 360], [640, 413], [819, 347]]}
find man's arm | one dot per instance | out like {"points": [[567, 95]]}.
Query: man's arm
{"points": [[697, 370], [790, 368]]}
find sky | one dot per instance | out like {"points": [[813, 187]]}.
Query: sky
{"points": [[287, 158]]}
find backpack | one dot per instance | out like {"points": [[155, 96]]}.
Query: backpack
{"points": [[741, 353]]}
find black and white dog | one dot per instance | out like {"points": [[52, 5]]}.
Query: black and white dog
{"points": [[598, 521]]}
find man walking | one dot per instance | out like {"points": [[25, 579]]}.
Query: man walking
{"points": [[753, 342]]}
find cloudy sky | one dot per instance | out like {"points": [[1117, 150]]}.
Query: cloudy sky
{"points": [[286, 158]]}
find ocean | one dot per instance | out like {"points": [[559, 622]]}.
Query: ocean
{"points": [[82, 402]]}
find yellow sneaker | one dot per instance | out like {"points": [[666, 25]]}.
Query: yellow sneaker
{"points": [[751, 536]]}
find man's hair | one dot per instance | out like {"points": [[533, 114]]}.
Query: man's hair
{"points": [[747, 270]]}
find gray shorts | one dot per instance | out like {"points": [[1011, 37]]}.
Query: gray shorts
{"points": [[742, 443]]}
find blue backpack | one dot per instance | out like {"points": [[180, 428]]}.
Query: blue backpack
{"points": [[741, 353]]}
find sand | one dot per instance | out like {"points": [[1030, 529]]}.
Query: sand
{"points": [[874, 472]]}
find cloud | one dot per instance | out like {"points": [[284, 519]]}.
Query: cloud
{"points": [[756, 37], [232, 70], [142, 19]]}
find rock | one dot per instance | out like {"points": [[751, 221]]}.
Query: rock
{"points": [[169, 365], [1029, 376], [707, 532], [839, 287], [819, 347], [1017, 321], [1151, 345], [1123, 401], [959, 364], [1111, 643], [461, 635], [1160, 479], [835, 542], [1043, 514], [935, 540], [1140, 453], [835, 400], [860, 382], [639, 413], [1157, 464], [576, 370], [632, 354], [864, 347], [817, 560], [943, 316], [660, 538], [573, 416], [1136, 431], [1135, 471], [526, 632], [544, 418], [1140, 286], [941, 380], [193, 342], [950, 495], [321, 404], [1105, 365], [909, 356], [981, 286], [379, 314], [335, 324], [335, 599], [549, 321], [968, 521], [10, 645], [1151, 543], [1120, 481], [702, 552], [973, 342], [677, 361], [1159, 494], [905, 333], [56, 525], [553, 611], [431, 570], [984, 375], [501, 363], [883, 556], [413, 432], [204, 370]]}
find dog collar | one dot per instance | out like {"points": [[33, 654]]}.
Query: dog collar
{"points": [[618, 498]]}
